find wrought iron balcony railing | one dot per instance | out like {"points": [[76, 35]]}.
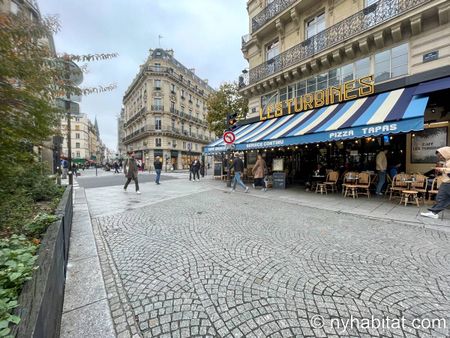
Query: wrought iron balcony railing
{"points": [[157, 108], [369, 17], [269, 12]]}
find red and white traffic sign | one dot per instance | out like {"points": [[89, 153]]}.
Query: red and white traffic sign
{"points": [[229, 137]]}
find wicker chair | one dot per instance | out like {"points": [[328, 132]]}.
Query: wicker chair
{"points": [[435, 187], [420, 185], [398, 184], [331, 181], [349, 185], [363, 184]]}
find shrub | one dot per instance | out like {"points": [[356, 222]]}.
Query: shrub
{"points": [[17, 258], [39, 224]]}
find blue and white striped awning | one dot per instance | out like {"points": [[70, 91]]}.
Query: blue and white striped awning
{"points": [[397, 111]]}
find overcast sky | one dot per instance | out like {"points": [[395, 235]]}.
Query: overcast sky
{"points": [[204, 34]]}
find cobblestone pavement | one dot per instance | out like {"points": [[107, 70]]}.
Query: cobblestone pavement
{"points": [[233, 265]]}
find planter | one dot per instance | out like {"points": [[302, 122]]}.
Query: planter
{"points": [[41, 299]]}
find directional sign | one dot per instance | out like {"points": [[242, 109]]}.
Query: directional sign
{"points": [[229, 137]]}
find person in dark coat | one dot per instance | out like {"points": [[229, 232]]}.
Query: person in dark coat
{"points": [[131, 171], [195, 168], [238, 166], [158, 168], [259, 172]]}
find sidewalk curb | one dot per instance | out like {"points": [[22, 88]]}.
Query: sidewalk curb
{"points": [[86, 311]]}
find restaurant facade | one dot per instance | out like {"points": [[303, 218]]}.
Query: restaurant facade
{"points": [[333, 82]]}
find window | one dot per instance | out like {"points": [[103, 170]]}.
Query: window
{"points": [[173, 124], [157, 84], [311, 85], [172, 107], [182, 127], [399, 64], [268, 99], [367, 3], [334, 77], [77, 127], [347, 72], [272, 50], [78, 154], [14, 8], [196, 146], [182, 93], [190, 130], [362, 68], [190, 112], [172, 88], [77, 135], [157, 102], [157, 123], [301, 88], [190, 98], [182, 109], [77, 145], [315, 25], [184, 145], [157, 142], [382, 66], [322, 81]]}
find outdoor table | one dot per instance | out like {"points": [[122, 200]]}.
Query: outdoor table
{"points": [[316, 179]]}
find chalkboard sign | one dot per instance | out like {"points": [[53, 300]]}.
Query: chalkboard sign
{"points": [[279, 180], [217, 169]]}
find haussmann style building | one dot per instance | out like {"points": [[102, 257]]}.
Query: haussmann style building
{"points": [[164, 112], [334, 81]]}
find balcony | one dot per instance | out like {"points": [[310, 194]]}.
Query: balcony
{"points": [[157, 108], [135, 117], [245, 39], [269, 12], [354, 25]]}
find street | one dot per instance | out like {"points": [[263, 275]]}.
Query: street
{"points": [[187, 259]]}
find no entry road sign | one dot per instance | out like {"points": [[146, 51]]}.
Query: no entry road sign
{"points": [[229, 137]]}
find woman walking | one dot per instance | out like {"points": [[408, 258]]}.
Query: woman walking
{"points": [[259, 171]]}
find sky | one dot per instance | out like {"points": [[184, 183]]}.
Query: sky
{"points": [[204, 34]]}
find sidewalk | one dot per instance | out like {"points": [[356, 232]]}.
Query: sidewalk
{"points": [[373, 207]]}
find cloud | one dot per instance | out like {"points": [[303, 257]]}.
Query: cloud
{"points": [[204, 34]]}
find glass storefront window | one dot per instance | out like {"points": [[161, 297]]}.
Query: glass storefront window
{"points": [[311, 85], [291, 91], [322, 81], [283, 94], [362, 68], [382, 66], [301, 88], [334, 76], [347, 72]]}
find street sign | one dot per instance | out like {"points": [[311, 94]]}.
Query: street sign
{"points": [[229, 137]]}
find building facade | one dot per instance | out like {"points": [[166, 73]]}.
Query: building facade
{"points": [[85, 140], [346, 77], [49, 151], [164, 112]]}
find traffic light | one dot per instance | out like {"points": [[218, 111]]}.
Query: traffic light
{"points": [[232, 122]]}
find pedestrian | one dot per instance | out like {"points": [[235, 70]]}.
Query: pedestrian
{"points": [[74, 169], [116, 167], [443, 196], [131, 171], [158, 167], [202, 169], [381, 167], [196, 168], [65, 168], [259, 172], [238, 167]]}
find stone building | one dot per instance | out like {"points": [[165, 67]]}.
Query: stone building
{"points": [[165, 112], [345, 78]]}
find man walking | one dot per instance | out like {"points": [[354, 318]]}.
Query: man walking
{"points": [[196, 168], [443, 196], [158, 166], [131, 171], [381, 166], [238, 166]]}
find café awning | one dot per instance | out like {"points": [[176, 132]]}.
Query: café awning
{"points": [[397, 111]]}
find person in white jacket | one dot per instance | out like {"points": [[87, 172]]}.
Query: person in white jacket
{"points": [[443, 196], [381, 162]]}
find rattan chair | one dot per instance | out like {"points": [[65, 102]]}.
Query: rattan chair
{"points": [[348, 185], [331, 181], [363, 184], [398, 184], [435, 187]]}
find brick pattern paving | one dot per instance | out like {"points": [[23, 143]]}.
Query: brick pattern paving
{"points": [[232, 265]]}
